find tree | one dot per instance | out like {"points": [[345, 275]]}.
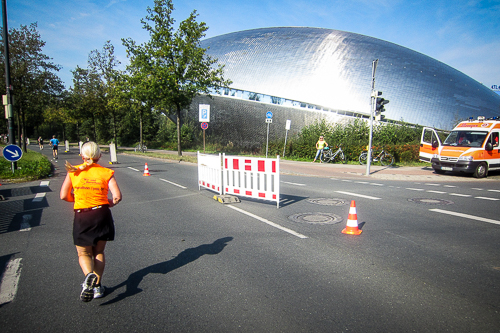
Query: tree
{"points": [[34, 82], [172, 68], [103, 63]]}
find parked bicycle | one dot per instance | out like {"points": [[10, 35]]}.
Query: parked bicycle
{"points": [[330, 156], [142, 149], [383, 157]]}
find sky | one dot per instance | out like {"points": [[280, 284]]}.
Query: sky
{"points": [[462, 34]]}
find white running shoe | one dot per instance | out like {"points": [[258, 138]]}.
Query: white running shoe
{"points": [[99, 291], [88, 285]]}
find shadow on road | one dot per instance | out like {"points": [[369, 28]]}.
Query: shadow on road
{"points": [[185, 257]]}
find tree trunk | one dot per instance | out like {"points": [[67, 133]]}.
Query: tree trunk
{"points": [[179, 149]]}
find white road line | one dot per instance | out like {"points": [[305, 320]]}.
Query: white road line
{"points": [[268, 222], [467, 216], [361, 182], [375, 184], [344, 180], [359, 195], [168, 181], [296, 184], [449, 186], [133, 169], [428, 184], [10, 281], [45, 183], [439, 192], [486, 198], [477, 189], [414, 189], [461, 195], [39, 197], [493, 190]]}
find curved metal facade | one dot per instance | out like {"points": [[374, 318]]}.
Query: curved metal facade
{"points": [[332, 69]]}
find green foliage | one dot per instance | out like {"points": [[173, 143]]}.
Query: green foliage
{"points": [[401, 140], [31, 166]]}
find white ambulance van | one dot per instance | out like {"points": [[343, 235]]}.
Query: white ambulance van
{"points": [[471, 147]]}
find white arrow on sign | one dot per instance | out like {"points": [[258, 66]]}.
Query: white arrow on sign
{"points": [[14, 153]]}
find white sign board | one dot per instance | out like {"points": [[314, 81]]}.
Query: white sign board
{"points": [[204, 113], [288, 124]]}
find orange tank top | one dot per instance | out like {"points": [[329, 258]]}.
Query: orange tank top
{"points": [[90, 186]]}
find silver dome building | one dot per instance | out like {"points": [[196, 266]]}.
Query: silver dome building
{"points": [[306, 74]]}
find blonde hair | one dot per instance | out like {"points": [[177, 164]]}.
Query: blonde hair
{"points": [[90, 152]]}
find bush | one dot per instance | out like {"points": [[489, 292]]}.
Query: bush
{"points": [[31, 166]]}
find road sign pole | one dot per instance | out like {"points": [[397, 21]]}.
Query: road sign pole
{"points": [[203, 141], [267, 142]]}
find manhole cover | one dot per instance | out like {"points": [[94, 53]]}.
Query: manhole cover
{"points": [[316, 218], [430, 201], [328, 201]]}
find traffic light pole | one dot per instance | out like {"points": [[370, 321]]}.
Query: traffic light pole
{"points": [[372, 111], [9, 115]]}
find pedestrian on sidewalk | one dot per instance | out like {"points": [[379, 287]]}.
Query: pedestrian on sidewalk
{"points": [[319, 146], [87, 186], [55, 144]]}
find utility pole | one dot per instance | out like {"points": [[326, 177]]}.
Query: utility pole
{"points": [[372, 111], [8, 102]]}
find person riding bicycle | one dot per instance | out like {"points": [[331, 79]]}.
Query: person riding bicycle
{"points": [[319, 146]]}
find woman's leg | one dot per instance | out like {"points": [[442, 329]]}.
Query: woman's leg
{"points": [[99, 259], [85, 258]]}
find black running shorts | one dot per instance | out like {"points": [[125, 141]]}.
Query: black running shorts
{"points": [[91, 226]]}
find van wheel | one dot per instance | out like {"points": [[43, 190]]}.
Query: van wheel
{"points": [[481, 170]]}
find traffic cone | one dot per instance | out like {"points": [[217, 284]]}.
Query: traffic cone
{"points": [[352, 221], [146, 170]]}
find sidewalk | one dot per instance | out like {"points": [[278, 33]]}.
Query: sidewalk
{"points": [[358, 171]]}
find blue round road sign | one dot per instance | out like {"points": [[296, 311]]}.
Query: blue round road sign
{"points": [[269, 115], [12, 153]]}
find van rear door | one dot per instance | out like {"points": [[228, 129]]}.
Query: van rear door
{"points": [[429, 144]]}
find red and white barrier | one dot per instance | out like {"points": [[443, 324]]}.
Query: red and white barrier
{"points": [[210, 172], [252, 177]]}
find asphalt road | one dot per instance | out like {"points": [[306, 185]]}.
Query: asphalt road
{"points": [[427, 259]]}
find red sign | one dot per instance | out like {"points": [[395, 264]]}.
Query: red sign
{"points": [[204, 125]]}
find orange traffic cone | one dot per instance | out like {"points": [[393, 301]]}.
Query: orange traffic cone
{"points": [[352, 221], [146, 170]]}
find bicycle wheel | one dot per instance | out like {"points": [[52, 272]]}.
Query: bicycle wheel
{"points": [[327, 157], [342, 158], [387, 159], [362, 158]]}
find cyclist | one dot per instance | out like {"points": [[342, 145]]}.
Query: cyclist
{"points": [[319, 146]]}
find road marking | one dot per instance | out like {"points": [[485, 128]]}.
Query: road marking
{"points": [[460, 195], [477, 189], [439, 192], [45, 183], [268, 222], [486, 198], [428, 184], [449, 186], [39, 197], [375, 184], [467, 216], [296, 184], [359, 195], [414, 189], [133, 169], [493, 190], [10, 281], [168, 181]]}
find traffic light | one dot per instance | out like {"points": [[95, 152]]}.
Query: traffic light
{"points": [[379, 106]]}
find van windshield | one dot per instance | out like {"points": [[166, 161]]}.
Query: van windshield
{"points": [[465, 138]]}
